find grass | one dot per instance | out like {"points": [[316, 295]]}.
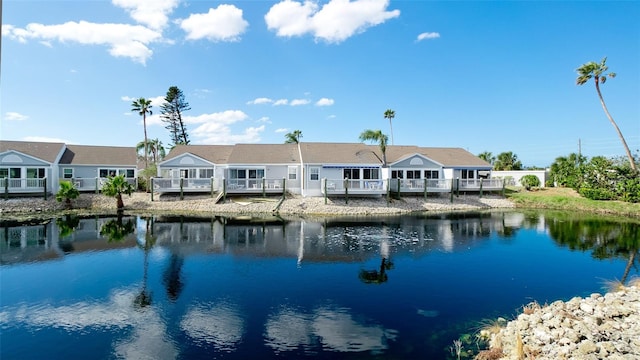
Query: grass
{"points": [[569, 199]]}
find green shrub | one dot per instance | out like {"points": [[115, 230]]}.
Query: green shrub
{"points": [[597, 193], [530, 181]]}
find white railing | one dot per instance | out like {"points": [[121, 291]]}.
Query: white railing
{"points": [[93, 184], [418, 185], [474, 184], [22, 185], [185, 184], [361, 186], [240, 185]]}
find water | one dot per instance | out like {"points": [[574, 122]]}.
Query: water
{"points": [[381, 288]]}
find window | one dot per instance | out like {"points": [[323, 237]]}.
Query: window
{"points": [[35, 173], [468, 174], [431, 174], [256, 174], [4, 173], [353, 174], [370, 174], [314, 173], [107, 172], [238, 174], [15, 173], [293, 172], [413, 174], [131, 173], [397, 174], [206, 173]]}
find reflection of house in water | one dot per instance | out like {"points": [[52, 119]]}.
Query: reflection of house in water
{"points": [[42, 240], [327, 240]]}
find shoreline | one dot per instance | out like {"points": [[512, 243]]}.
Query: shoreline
{"points": [[292, 205]]}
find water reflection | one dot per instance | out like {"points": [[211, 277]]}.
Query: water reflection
{"points": [[332, 328], [220, 325], [285, 287]]}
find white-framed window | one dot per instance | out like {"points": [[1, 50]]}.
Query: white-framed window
{"points": [[293, 172], [413, 174], [468, 174], [431, 174], [206, 173], [371, 174], [67, 173], [35, 173], [352, 174], [314, 173], [237, 173], [256, 173], [397, 174]]}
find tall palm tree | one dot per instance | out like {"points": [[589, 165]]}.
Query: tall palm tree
{"points": [[390, 114], [380, 138], [507, 161], [293, 137], [143, 107], [599, 75]]}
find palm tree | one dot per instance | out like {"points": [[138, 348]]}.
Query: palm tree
{"points": [[155, 148], [507, 161], [599, 75], [390, 114], [67, 192], [487, 156], [378, 136], [115, 187], [293, 137], [143, 107]]}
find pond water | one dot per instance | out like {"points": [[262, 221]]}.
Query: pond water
{"points": [[166, 287]]}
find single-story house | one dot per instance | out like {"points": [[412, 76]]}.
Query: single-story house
{"points": [[37, 167]]}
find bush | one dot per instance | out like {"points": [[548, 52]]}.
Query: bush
{"points": [[597, 193], [530, 181]]}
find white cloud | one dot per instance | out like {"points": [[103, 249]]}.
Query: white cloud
{"points": [[215, 128], [331, 117], [324, 102], [153, 14], [222, 24], [221, 325], [262, 100], [428, 35], [298, 102], [123, 40], [280, 102], [282, 130], [335, 22], [264, 119], [14, 116]]}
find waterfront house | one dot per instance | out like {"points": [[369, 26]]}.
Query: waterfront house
{"points": [[38, 167]]}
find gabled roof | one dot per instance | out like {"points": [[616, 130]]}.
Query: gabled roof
{"points": [[216, 154], [265, 154], [448, 157], [41, 150], [99, 155], [339, 153]]}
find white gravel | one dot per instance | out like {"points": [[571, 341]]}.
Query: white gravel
{"points": [[292, 205]]}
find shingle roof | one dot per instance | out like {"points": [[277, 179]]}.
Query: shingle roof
{"points": [[99, 155], [265, 154], [448, 157], [217, 154], [338, 153], [42, 150]]}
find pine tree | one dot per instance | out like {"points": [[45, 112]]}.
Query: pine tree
{"points": [[172, 110]]}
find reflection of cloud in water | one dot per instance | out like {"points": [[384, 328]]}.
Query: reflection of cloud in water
{"points": [[147, 342], [221, 325], [334, 329]]}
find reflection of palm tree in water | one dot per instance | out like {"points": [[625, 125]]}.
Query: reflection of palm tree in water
{"points": [[144, 298], [172, 280], [630, 263]]}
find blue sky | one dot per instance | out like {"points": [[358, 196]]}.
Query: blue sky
{"points": [[482, 75]]}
